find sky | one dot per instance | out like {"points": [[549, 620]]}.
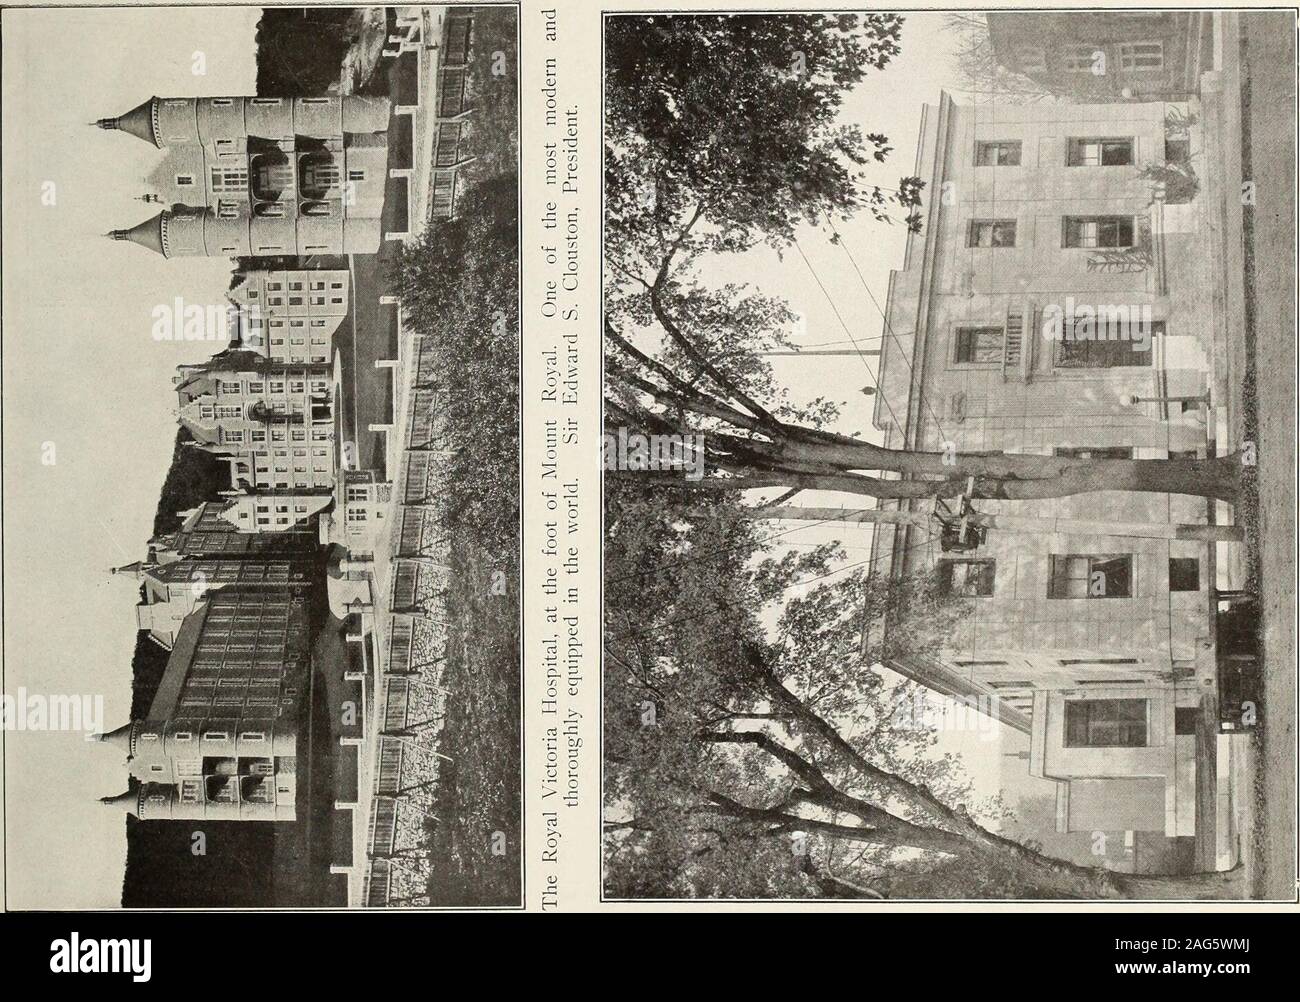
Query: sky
{"points": [[89, 410]]}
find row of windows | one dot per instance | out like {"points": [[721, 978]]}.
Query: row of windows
{"points": [[1144, 56], [317, 285], [276, 386], [1090, 151], [1070, 575], [1077, 232], [235, 179], [1124, 345]]}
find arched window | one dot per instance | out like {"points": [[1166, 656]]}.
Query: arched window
{"points": [[272, 176], [318, 176]]}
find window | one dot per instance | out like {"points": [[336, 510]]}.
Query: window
{"points": [[1141, 56], [184, 180], [1097, 231], [356, 175], [1099, 153], [1105, 723], [1184, 574], [1090, 576], [968, 578], [992, 233], [1186, 719], [978, 346], [1083, 59], [1106, 345], [229, 179], [997, 153], [1094, 451]]}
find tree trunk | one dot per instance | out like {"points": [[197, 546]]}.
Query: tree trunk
{"points": [[1008, 523]]}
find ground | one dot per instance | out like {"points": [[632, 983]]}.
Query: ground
{"points": [[1268, 109]]}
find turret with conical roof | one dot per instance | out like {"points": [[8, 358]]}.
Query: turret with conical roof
{"points": [[141, 121], [263, 176]]}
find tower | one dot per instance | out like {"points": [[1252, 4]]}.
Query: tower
{"points": [[262, 176]]}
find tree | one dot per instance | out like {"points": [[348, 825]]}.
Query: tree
{"points": [[751, 748], [722, 134], [982, 76], [459, 286], [750, 760]]}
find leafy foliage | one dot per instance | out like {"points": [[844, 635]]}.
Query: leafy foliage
{"points": [[735, 118]]}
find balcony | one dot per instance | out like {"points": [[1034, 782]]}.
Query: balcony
{"points": [[1018, 343]]}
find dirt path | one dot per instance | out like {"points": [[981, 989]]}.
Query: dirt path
{"points": [[1269, 61]]}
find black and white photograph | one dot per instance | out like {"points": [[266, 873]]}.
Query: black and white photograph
{"points": [[949, 455], [261, 457]]}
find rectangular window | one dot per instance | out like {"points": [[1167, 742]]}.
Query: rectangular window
{"points": [[968, 578], [1141, 56], [1106, 345], [1097, 232], [1082, 58], [1184, 574], [978, 346], [1094, 451], [1099, 153], [1107, 575], [997, 153], [1105, 723], [229, 179], [992, 233]]}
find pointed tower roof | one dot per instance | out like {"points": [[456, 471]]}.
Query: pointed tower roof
{"points": [[129, 799], [134, 569], [123, 739], [141, 121], [151, 233]]}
